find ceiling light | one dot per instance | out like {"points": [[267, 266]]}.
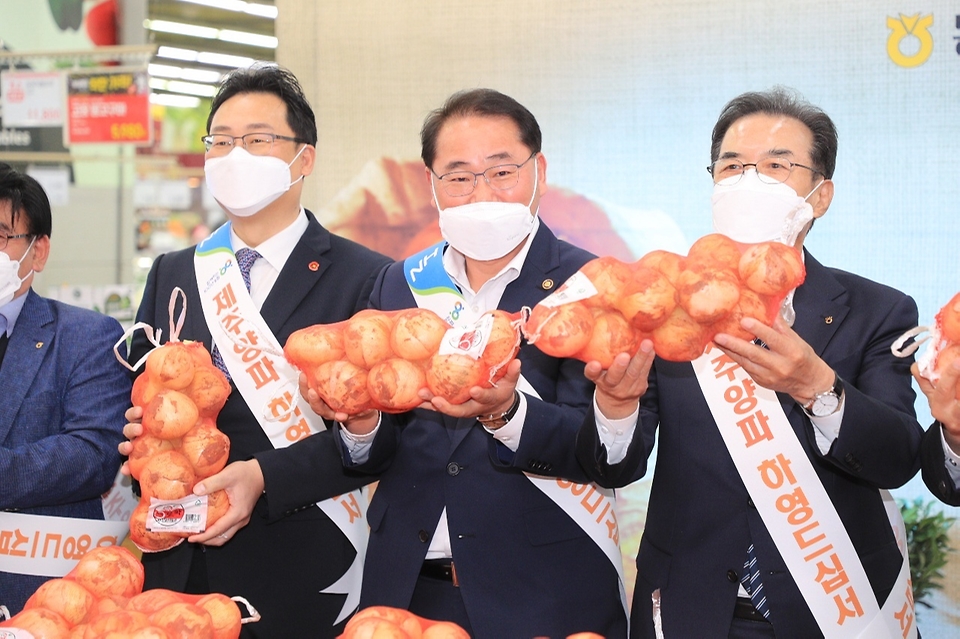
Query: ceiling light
{"points": [[245, 37], [191, 88], [224, 59], [174, 100], [175, 53], [178, 86], [180, 73], [200, 75], [180, 28], [164, 70], [253, 8]]}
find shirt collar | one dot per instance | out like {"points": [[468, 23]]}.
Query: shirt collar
{"points": [[11, 310], [278, 248]]}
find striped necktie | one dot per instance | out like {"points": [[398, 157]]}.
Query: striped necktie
{"points": [[245, 260], [753, 584]]}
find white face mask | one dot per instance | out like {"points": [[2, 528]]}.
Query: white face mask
{"points": [[486, 231], [246, 184], [10, 279], [752, 211]]}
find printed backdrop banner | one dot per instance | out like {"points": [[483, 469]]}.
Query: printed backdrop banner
{"points": [[626, 94]]}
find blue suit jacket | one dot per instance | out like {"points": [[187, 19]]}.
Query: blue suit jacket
{"points": [[525, 568], [282, 560], [700, 518], [61, 417]]}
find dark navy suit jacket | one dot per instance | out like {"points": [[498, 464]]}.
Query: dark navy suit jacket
{"points": [[525, 568], [281, 560], [62, 398], [935, 474], [700, 518]]}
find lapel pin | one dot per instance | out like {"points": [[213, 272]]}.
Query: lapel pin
{"points": [[547, 284], [314, 266], [39, 344], [828, 319]]}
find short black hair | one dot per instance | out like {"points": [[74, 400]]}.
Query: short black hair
{"points": [[782, 101], [27, 197], [265, 77], [485, 102]]}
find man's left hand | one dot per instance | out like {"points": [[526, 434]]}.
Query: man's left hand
{"points": [[788, 364], [483, 401]]}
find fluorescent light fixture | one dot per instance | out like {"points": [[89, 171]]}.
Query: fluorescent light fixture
{"points": [[180, 28], [253, 8], [174, 53], [173, 100], [224, 59], [180, 73], [178, 86], [245, 37], [191, 88], [200, 75], [164, 70]]}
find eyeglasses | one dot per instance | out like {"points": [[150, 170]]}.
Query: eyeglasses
{"points": [[769, 170], [500, 177], [254, 143], [4, 238]]}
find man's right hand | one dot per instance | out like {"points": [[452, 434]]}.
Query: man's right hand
{"points": [[361, 424], [131, 431], [944, 405]]}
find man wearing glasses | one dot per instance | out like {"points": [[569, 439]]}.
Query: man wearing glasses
{"points": [[766, 516], [469, 523], [63, 394], [271, 270]]}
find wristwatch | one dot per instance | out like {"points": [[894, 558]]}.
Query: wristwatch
{"points": [[827, 402], [495, 421]]}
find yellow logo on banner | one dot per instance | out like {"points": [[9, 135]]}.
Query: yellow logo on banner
{"points": [[905, 26]]}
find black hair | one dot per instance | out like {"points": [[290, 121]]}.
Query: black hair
{"points": [[264, 77], [782, 101], [27, 197], [486, 102]]}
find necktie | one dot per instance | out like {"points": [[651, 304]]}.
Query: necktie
{"points": [[245, 260], [3, 337], [753, 584]]}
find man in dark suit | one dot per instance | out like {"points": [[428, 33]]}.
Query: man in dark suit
{"points": [[462, 527], [940, 463], [847, 401], [261, 144], [63, 391]]}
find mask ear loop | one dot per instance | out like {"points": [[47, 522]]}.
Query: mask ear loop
{"points": [[153, 336]]}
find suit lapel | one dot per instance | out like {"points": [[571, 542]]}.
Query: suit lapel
{"points": [[542, 259], [31, 339], [304, 268], [820, 303]]}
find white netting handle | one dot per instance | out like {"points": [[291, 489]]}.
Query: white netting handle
{"points": [[153, 335], [254, 615]]}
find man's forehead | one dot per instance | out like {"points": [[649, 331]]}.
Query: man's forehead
{"points": [[251, 111], [767, 133], [479, 139]]}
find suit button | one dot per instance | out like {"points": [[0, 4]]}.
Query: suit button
{"points": [[732, 576], [453, 469], [423, 536], [750, 503]]}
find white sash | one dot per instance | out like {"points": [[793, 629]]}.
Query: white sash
{"points": [[798, 512], [51, 546], [268, 383], [590, 506]]}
